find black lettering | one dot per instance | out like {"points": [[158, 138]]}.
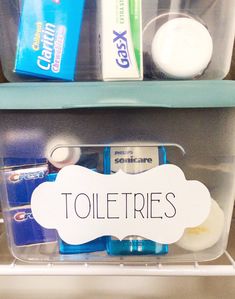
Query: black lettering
{"points": [[97, 208], [126, 195], [167, 198], [147, 213], [89, 205], [108, 202], [66, 204], [135, 204], [152, 200], [93, 206]]}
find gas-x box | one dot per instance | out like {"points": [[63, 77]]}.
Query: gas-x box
{"points": [[120, 39]]}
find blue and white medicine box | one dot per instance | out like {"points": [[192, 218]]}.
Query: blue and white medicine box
{"points": [[48, 38]]}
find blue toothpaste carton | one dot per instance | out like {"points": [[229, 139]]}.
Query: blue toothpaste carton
{"points": [[26, 231], [21, 182], [48, 38]]}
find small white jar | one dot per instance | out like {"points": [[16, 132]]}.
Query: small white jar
{"points": [[63, 151], [182, 48]]}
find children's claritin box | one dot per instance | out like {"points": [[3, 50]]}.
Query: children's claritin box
{"points": [[120, 39], [48, 38]]}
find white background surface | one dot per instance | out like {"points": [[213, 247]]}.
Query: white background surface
{"points": [[121, 287], [116, 288]]}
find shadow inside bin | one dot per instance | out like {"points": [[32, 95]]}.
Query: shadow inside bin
{"points": [[231, 74], [2, 78]]}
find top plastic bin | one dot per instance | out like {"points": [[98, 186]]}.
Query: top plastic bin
{"points": [[116, 39]]}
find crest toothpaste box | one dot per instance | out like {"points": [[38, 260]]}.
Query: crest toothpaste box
{"points": [[120, 39], [26, 231], [21, 182], [48, 38]]}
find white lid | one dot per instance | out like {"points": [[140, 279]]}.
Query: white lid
{"points": [[182, 48], [59, 155]]}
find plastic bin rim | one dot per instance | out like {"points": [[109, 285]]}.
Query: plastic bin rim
{"points": [[167, 94]]}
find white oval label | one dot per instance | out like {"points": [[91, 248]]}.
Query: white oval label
{"points": [[158, 204]]}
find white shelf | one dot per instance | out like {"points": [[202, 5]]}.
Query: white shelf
{"points": [[224, 266], [15, 269]]}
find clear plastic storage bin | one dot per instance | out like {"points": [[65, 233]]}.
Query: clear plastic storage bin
{"points": [[116, 40], [181, 159]]}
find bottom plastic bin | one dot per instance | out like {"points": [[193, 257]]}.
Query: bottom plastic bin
{"points": [[56, 189]]}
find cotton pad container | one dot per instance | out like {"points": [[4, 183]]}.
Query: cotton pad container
{"points": [[183, 40], [191, 48]]}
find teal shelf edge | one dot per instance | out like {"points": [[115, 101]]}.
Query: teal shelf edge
{"points": [[168, 94]]}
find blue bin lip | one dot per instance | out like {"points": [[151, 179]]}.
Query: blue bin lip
{"points": [[138, 94]]}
